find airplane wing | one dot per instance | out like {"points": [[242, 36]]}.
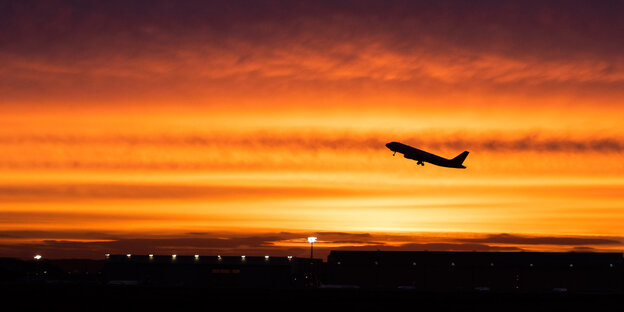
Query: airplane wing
{"points": [[410, 156]]}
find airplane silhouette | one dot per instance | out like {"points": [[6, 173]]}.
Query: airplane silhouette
{"points": [[421, 156]]}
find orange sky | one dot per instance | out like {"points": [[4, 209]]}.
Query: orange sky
{"points": [[226, 128]]}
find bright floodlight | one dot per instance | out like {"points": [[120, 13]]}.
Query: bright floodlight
{"points": [[151, 255], [196, 257], [174, 256], [266, 257], [37, 257], [129, 255], [311, 240]]}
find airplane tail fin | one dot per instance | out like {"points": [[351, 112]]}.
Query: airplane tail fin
{"points": [[459, 160]]}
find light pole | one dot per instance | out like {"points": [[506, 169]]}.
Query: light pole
{"points": [[311, 240]]}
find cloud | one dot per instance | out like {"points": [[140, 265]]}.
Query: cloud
{"points": [[533, 27], [103, 191], [511, 239], [197, 151], [342, 234], [356, 242], [66, 234], [31, 218], [583, 249], [456, 247], [122, 48], [322, 140]]}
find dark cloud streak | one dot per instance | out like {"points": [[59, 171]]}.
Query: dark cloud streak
{"points": [[318, 141], [540, 240], [76, 192]]}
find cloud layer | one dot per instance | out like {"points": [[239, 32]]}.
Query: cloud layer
{"points": [[325, 141], [118, 49], [285, 243]]}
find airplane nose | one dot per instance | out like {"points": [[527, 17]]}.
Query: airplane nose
{"points": [[388, 145]]}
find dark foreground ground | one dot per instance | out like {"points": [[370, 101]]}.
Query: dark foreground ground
{"points": [[135, 298]]}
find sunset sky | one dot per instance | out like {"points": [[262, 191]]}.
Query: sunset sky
{"points": [[242, 127]]}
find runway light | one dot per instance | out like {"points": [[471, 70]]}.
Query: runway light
{"points": [[129, 255], [174, 256], [243, 258], [289, 258], [219, 258], [151, 256], [37, 257], [266, 258], [311, 239], [196, 257], [107, 255]]}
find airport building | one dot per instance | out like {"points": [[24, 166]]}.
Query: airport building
{"points": [[212, 271], [477, 271]]}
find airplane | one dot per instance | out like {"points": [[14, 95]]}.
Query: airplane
{"points": [[421, 156]]}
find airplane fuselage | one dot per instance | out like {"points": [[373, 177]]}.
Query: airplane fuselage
{"points": [[421, 156]]}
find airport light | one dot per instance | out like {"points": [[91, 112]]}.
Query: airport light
{"points": [[174, 256], [266, 258], [151, 256], [107, 255], [219, 258], [37, 257], [129, 255], [311, 240], [243, 258], [196, 257], [289, 258]]}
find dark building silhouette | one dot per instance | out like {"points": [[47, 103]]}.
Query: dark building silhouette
{"points": [[212, 271], [480, 271], [506, 272]]}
